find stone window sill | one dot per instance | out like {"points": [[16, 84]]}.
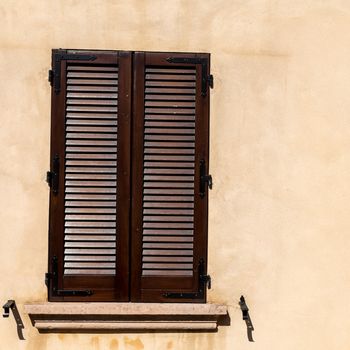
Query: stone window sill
{"points": [[118, 317]]}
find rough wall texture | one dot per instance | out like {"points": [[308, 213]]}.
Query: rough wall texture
{"points": [[280, 140]]}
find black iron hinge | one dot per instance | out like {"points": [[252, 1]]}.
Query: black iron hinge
{"points": [[52, 177], [207, 79], [50, 76], [205, 179], [204, 281], [51, 281], [55, 72]]}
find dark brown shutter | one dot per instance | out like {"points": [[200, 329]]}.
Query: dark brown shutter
{"points": [[170, 148], [90, 155]]}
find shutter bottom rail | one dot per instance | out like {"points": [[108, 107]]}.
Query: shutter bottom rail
{"points": [[119, 317]]}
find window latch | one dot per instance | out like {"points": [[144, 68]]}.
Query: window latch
{"points": [[205, 179], [11, 305]]}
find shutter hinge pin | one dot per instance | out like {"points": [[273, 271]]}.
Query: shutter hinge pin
{"points": [[210, 81], [50, 77], [52, 176], [206, 279], [49, 178], [205, 179], [48, 277]]}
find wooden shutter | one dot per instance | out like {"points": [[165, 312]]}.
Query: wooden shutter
{"points": [[170, 149], [90, 179]]}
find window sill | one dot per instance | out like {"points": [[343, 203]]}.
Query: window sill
{"points": [[118, 317]]}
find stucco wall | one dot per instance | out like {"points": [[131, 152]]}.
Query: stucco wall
{"points": [[280, 140]]}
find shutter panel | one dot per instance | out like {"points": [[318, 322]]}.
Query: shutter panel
{"points": [[89, 215], [169, 217]]}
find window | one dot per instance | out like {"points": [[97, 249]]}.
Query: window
{"points": [[129, 163]]}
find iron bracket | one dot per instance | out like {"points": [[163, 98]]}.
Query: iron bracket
{"points": [[58, 56], [207, 79], [11, 305], [246, 318]]}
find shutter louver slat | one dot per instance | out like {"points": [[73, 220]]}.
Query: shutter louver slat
{"points": [[91, 95], [92, 88], [78, 137], [91, 170], [78, 101], [87, 116], [89, 258], [168, 190], [85, 68], [75, 74], [109, 123], [91, 82]]}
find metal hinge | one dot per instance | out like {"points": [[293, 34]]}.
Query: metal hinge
{"points": [[52, 278], [205, 179], [48, 277], [58, 56], [211, 81], [50, 76], [52, 177], [204, 281], [49, 176], [207, 79]]}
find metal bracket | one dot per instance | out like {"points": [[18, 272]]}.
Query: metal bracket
{"points": [[52, 177], [53, 278], [246, 318], [205, 179], [207, 79], [58, 56], [11, 305], [203, 281]]}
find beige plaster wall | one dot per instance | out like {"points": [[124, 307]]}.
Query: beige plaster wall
{"points": [[280, 159]]}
